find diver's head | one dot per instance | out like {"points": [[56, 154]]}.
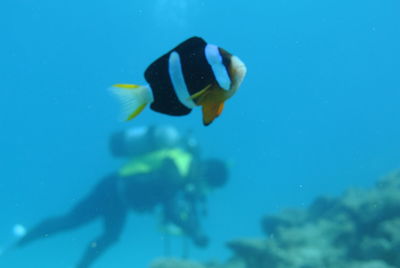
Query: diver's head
{"points": [[215, 172]]}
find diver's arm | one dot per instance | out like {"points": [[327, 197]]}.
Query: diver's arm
{"points": [[187, 220], [179, 215], [196, 197]]}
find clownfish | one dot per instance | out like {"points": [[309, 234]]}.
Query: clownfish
{"points": [[194, 73]]}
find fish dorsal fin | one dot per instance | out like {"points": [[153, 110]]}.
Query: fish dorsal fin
{"points": [[211, 111], [197, 97]]}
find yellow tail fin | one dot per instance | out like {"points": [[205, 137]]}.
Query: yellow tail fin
{"points": [[133, 98]]}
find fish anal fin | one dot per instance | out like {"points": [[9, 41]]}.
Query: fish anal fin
{"points": [[211, 111]]}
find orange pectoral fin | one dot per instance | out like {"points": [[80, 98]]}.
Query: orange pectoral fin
{"points": [[220, 108], [211, 111]]}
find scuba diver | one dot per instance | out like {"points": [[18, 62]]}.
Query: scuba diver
{"points": [[165, 171]]}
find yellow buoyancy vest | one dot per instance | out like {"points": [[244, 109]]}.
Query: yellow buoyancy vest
{"points": [[154, 160]]}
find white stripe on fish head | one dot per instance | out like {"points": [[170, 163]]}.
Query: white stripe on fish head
{"points": [[214, 58]]}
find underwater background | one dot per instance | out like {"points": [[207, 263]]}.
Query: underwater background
{"points": [[318, 111]]}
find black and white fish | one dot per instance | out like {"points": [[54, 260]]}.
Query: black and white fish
{"points": [[194, 73]]}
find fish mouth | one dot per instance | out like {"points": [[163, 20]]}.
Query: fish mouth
{"points": [[239, 71]]}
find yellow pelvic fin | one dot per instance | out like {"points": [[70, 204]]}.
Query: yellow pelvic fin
{"points": [[199, 95], [211, 111]]}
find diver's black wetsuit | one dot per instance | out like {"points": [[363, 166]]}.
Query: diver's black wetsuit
{"points": [[105, 202]]}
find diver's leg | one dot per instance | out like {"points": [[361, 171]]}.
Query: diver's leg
{"points": [[86, 210], [113, 225], [76, 217]]}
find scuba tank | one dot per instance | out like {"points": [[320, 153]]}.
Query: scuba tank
{"points": [[136, 141]]}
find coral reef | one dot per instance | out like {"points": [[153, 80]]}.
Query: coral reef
{"points": [[360, 229]]}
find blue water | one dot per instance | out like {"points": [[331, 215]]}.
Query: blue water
{"points": [[317, 113]]}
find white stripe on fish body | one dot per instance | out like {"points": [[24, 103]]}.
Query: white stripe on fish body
{"points": [[178, 81], [214, 58]]}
